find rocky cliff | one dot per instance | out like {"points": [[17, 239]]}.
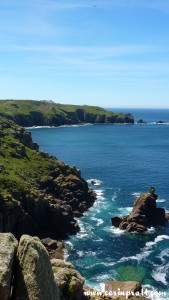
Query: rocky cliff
{"points": [[39, 195], [46, 113]]}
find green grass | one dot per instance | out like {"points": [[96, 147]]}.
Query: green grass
{"points": [[31, 112]]}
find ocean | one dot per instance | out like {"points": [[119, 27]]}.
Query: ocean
{"points": [[124, 160]]}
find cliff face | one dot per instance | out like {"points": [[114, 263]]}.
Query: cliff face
{"points": [[39, 195], [42, 113]]}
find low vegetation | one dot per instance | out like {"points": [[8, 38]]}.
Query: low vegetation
{"points": [[48, 113]]}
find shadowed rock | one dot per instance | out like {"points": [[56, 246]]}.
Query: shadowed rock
{"points": [[8, 245]]}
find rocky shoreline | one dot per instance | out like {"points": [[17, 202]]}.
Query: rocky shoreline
{"points": [[41, 196]]}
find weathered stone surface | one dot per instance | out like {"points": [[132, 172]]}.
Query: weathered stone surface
{"points": [[125, 286], [8, 245], [68, 280], [144, 214], [34, 277], [54, 248]]}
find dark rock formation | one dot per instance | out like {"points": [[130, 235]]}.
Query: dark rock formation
{"points": [[140, 121], [144, 214]]}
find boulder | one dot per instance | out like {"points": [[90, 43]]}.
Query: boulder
{"points": [[54, 248], [69, 281], [144, 214], [8, 245], [34, 277]]}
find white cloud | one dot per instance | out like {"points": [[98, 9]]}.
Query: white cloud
{"points": [[162, 5]]}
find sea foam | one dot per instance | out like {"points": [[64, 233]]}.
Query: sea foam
{"points": [[146, 251], [97, 182]]}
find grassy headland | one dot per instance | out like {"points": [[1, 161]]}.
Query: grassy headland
{"points": [[47, 113]]}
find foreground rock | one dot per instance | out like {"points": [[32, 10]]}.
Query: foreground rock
{"points": [[33, 277], [144, 214], [8, 245], [68, 280]]}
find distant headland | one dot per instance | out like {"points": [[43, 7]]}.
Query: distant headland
{"points": [[29, 113]]}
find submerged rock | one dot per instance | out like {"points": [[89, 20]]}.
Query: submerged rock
{"points": [[8, 245], [144, 214]]}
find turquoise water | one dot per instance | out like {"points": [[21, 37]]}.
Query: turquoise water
{"points": [[125, 160]]}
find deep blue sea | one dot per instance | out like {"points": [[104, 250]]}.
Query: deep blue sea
{"points": [[124, 160]]}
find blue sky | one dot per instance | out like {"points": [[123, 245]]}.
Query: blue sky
{"points": [[111, 53]]}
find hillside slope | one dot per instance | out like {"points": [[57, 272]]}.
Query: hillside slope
{"points": [[46, 113], [39, 195]]}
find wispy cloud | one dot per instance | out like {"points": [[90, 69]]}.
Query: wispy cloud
{"points": [[162, 5], [105, 63], [97, 52]]}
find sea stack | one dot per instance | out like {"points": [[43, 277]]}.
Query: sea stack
{"points": [[144, 214]]}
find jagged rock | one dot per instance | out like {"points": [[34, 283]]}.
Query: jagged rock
{"points": [[8, 245], [68, 280], [140, 121], [144, 214], [167, 216], [33, 277], [54, 248]]}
